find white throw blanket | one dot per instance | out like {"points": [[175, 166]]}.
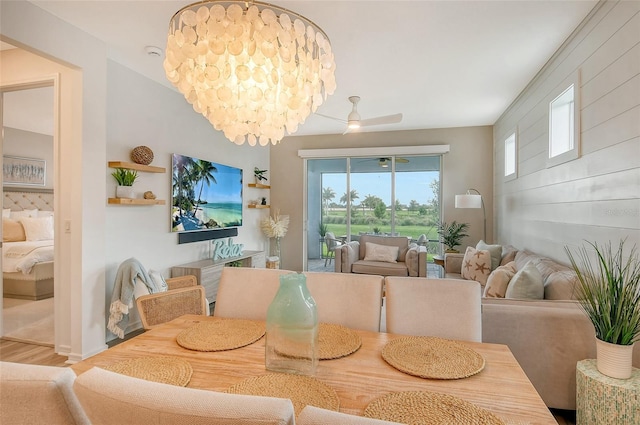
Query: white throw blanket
{"points": [[122, 297], [22, 256]]}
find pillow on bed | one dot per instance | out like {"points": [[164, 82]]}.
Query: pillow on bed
{"points": [[6, 212], [42, 213], [38, 228], [12, 231], [385, 253], [16, 215]]}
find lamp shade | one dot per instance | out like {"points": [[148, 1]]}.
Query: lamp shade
{"points": [[468, 201]]}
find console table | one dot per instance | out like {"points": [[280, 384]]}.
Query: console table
{"points": [[208, 271]]}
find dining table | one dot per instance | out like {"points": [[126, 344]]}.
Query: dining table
{"points": [[501, 387]]}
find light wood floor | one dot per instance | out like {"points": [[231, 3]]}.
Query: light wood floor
{"points": [[18, 352]]}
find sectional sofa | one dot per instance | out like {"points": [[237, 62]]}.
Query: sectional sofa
{"points": [[547, 336]]}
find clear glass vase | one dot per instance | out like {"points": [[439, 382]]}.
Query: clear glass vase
{"points": [[276, 247], [292, 328]]}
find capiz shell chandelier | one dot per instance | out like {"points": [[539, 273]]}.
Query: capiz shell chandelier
{"points": [[252, 69]]}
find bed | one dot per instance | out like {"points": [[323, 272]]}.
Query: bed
{"points": [[27, 265]]}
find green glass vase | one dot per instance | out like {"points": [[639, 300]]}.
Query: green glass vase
{"points": [[292, 328]]}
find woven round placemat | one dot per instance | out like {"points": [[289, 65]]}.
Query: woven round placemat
{"points": [[335, 341], [301, 390], [434, 358], [166, 370], [223, 334], [428, 408]]}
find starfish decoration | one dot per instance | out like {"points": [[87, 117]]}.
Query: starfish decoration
{"points": [[481, 268], [467, 265]]}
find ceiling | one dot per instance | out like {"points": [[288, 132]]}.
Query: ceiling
{"points": [[440, 63]]}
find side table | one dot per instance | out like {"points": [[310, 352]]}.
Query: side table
{"points": [[602, 400]]}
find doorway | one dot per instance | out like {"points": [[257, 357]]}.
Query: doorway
{"points": [[28, 144]]}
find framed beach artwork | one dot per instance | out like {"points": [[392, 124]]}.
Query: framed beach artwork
{"points": [[205, 195], [18, 171]]}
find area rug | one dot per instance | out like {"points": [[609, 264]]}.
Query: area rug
{"points": [[30, 322]]}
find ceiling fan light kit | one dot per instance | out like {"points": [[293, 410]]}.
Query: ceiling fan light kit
{"points": [[253, 69], [354, 121]]}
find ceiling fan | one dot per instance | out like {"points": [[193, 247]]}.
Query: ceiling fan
{"points": [[385, 162], [354, 121]]}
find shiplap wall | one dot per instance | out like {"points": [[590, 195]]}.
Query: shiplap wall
{"points": [[597, 196]]}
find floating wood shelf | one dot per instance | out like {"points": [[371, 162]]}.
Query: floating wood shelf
{"points": [[259, 186], [130, 201], [138, 167], [258, 206]]}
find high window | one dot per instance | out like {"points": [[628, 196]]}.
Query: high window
{"points": [[510, 158], [564, 125]]}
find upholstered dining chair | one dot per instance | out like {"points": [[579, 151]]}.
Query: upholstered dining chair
{"points": [[312, 415], [348, 299], [33, 394], [332, 243], [184, 296], [245, 292], [446, 308], [111, 398]]}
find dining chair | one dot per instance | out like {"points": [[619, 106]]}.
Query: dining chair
{"points": [[348, 299], [245, 292], [34, 394], [113, 398], [184, 296], [332, 243], [312, 415], [446, 308]]}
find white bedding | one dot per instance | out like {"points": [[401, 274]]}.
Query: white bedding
{"points": [[22, 256]]}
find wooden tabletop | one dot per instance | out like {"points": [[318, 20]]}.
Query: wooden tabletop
{"points": [[501, 387]]}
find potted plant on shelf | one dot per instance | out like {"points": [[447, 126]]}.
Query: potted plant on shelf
{"points": [[451, 234], [125, 179], [609, 293], [259, 175]]}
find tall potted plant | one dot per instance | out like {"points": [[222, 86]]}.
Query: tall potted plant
{"points": [[451, 234], [609, 293]]}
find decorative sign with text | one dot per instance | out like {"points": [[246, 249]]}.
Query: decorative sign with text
{"points": [[222, 249]]}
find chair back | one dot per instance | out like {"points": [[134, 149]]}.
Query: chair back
{"points": [[351, 300], [33, 394], [330, 240], [400, 241], [312, 415], [161, 307], [245, 292], [446, 308], [422, 240], [113, 398]]}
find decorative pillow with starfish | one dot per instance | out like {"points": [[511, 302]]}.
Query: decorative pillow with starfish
{"points": [[476, 265]]}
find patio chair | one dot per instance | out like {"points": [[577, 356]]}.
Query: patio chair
{"points": [[332, 243]]}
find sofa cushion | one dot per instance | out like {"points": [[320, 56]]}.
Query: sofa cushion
{"points": [[561, 285], [526, 284], [476, 265], [524, 256], [494, 250], [498, 281], [380, 268], [508, 254], [385, 253]]}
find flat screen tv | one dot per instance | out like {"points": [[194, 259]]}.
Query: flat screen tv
{"points": [[205, 195]]}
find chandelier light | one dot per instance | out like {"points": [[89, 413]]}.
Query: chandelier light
{"points": [[253, 69]]}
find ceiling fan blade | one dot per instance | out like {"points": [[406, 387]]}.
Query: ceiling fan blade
{"points": [[403, 160], [332, 118], [387, 119]]}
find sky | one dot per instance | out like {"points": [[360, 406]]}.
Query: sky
{"points": [[409, 185], [228, 187]]}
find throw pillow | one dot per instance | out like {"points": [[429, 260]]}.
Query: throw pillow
{"points": [[476, 265], [508, 254], [6, 212], [498, 281], [526, 284], [24, 213], [38, 229], [158, 281], [494, 250], [12, 231], [385, 253]]}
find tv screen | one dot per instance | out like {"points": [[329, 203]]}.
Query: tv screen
{"points": [[205, 195]]}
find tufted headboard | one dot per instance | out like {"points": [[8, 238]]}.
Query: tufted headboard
{"points": [[18, 199]]}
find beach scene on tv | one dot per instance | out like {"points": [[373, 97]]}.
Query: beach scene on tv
{"points": [[205, 195]]}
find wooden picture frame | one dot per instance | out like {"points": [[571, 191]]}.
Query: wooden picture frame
{"points": [[20, 171]]}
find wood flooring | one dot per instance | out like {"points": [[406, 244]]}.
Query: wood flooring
{"points": [[18, 352]]}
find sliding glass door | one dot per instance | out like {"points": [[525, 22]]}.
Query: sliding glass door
{"points": [[394, 195]]}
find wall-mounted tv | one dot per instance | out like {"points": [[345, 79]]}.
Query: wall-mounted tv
{"points": [[205, 195]]}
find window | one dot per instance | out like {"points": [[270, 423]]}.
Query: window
{"points": [[564, 128], [510, 157]]}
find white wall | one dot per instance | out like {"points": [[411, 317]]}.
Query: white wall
{"points": [[143, 112], [597, 196], [469, 163], [27, 144]]}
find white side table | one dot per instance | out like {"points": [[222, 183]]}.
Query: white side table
{"points": [[602, 400]]}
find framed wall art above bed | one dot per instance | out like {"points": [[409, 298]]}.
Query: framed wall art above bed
{"points": [[19, 171]]}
